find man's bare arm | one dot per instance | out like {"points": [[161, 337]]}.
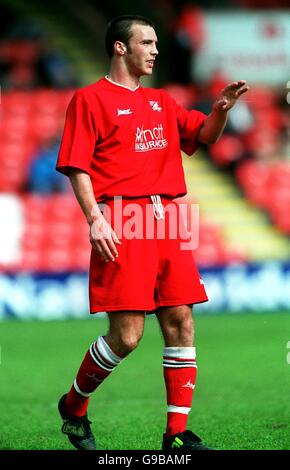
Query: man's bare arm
{"points": [[102, 236], [214, 124]]}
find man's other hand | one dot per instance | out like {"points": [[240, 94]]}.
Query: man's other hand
{"points": [[229, 95], [104, 239]]}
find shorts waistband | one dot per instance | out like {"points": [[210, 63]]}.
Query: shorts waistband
{"points": [[154, 199], [134, 198]]}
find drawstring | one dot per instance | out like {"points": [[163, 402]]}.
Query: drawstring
{"points": [[158, 208]]}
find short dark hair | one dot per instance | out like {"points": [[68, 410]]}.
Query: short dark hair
{"points": [[119, 29]]}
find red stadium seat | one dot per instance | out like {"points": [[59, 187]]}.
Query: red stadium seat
{"points": [[81, 257], [46, 126], [64, 207], [184, 95], [281, 219], [16, 126], [254, 178], [17, 103], [56, 235], [31, 260], [262, 97], [47, 101], [280, 175], [35, 208], [209, 254], [59, 234], [209, 233], [64, 98], [227, 150], [58, 259]]}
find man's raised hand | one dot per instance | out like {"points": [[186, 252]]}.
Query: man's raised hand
{"points": [[229, 95]]}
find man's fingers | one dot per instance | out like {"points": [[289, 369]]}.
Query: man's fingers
{"points": [[102, 249], [103, 239], [234, 86], [115, 238], [106, 250], [230, 87], [221, 103], [97, 247], [237, 84], [242, 90], [112, 248]]}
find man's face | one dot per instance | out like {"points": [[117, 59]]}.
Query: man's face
{"points": [[142, 50]]}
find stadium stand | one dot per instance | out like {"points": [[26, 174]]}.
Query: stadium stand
{"points": [[245, 163]]}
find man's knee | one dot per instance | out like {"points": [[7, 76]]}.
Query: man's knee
{"points": [[125, 332], [177, 325], [129, 342], [123, 343], [181, 326]]}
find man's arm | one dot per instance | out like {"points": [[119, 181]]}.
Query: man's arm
{"points": [[214, 124], [102, 236]]}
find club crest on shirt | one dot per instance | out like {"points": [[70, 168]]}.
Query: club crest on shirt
{"points": [[155, 106]]}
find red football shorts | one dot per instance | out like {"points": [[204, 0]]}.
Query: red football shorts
{"points": [[155, 266]]}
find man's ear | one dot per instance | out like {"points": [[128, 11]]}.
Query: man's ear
{"points": [[120, 48]]}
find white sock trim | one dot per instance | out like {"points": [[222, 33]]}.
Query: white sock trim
{"points": [[182, 353], [98, 359], [83, 394], [107, 352], [178, 409]]}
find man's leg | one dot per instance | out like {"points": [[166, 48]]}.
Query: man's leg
{"points": [[179, 374], [125, 332], [178, 364]]}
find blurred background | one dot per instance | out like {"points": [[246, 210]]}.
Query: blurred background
{"points": [[241, 183]]}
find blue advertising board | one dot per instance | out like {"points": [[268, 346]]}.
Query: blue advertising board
{"points": [[235, 288]]}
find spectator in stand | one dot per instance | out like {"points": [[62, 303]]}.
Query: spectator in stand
{"points": [[20, 77], [42, 177], [54, 69], [28, 60], [188, 37]]}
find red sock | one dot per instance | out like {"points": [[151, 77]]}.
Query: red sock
{"points": [[98, 363], [179, 368]]}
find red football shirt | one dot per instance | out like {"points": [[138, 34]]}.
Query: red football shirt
{"points": [[128, 141]]}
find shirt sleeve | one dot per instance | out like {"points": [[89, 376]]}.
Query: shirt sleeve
{"points": [[78, 140], [189, 124]]}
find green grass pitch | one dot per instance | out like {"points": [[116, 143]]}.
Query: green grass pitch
{"points": [[241, 401]]}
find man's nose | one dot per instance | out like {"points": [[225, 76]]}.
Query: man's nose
{"points": [[155, 51]]}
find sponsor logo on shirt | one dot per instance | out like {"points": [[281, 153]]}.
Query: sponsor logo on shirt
{"points": [[155, 106], [150, 139], [124, 111]]}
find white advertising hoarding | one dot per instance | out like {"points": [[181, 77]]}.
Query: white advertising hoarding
{"points": [[251, 46]]}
